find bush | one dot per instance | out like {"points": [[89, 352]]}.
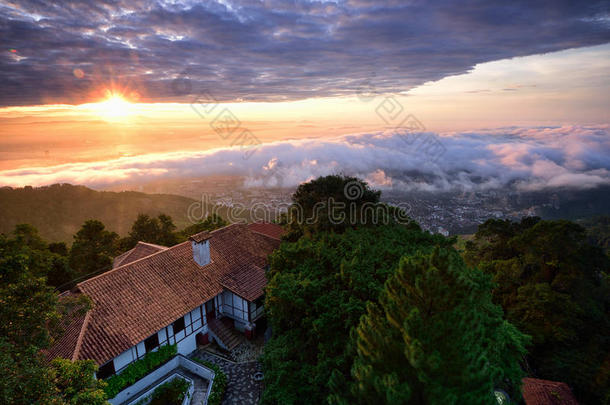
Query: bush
{"points": [[169, 393], [220, 382], [139, 369]]}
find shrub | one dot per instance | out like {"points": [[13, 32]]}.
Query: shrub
{"points": [[170, 393], [139, 369], [220, 382]]}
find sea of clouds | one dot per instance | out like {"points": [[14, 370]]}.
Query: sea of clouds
{"points": [[526, 158]]}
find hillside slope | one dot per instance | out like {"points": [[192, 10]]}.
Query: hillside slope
{"points": [[59, 210]]}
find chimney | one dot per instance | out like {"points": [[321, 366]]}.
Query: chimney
{"points": [[201, 247]]}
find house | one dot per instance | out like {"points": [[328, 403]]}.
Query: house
{"points": [[545, 392], [200, 290]]}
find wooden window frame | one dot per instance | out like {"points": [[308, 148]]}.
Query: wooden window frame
{"points": [[179, 320], [102, 373], [149, 339]]}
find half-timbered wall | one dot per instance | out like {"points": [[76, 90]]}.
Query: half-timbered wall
{"points": [[234, 306], [256, 309], [194, 322]]}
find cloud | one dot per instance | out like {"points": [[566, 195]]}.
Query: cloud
{"points": [[271, 50], [526, 158]]}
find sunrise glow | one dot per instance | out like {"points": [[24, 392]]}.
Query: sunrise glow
{"points": [[114, 108]]}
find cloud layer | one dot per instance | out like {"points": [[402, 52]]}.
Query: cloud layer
{"points": [[524, 158], [269, 50]]}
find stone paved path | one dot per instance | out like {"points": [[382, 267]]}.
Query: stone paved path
{"points": [[241, 387], [201, 388]]}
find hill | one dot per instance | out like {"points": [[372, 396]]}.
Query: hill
{"points": [[59, 210]]}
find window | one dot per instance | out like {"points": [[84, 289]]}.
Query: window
{"points": [[151, 343], [178, 325], [106, 370]]}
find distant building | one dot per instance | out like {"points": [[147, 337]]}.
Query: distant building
{"points": [[544, 392], [199, 290], [442, 231]]}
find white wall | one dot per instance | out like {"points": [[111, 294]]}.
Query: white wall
{"points": [[234, 306], [130, 392], [185, 339], [124, 359], [255, 312]]}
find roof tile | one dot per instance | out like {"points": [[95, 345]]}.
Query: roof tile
{"points": [[545, 392], [135, 300]]}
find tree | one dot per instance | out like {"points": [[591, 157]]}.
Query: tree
{"points": [[332, 203], [60, 273], [42, 260], [598, 231], [159, 230], [318, 290], [436, 338], [213, 221], [93, 248], [75, 382], [553, 285], [29, 320], [166, 236]]}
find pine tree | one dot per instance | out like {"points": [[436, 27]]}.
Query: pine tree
{"points": [[436, 337]]}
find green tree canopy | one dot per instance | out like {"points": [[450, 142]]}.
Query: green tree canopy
{"points": [[553, 285], [212, 221], [75, 382], [42, 260], [336, 203], [158, 230], [93, 248], [318, 290], [29, 321], [436, 338]]}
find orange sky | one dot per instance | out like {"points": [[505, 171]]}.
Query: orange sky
{"points": [[568, 87]]}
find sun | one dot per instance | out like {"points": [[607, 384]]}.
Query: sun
{"points": [[114, 108]]}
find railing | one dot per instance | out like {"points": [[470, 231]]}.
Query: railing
{"points": [[142, 385], [187, 397]]}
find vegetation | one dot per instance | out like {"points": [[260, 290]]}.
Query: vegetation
{"points": [[336, 203], [319, 286], [598, 231], [212, 222], [93, 249], [159, 230], [40, 258], [435, 338], [59, 210], [30, 317], [139, 369], [170, 393], [75, 383], [220, 382], [162, 231], [553, 285]]}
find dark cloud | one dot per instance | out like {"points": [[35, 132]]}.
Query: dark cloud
{"points": [[271, 50]]}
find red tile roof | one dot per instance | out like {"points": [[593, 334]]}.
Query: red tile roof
{"points": [[201, 236], [272, 230], [142, 249], [72, 325], [248, 282], [544, 392], [135, 300]]}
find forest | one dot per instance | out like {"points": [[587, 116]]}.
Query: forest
{"points": [[390, 314], [59, 210]]}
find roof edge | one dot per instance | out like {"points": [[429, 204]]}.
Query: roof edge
{"points": [[81, 334]]}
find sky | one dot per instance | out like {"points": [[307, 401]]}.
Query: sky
{"points": [[455, 95]]}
